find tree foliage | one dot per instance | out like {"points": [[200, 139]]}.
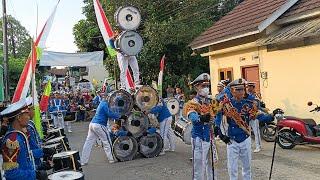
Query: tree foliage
{"points": [[168, 26], [19, 40]]}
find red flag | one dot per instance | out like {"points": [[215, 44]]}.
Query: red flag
{"points": [[45, 97]]}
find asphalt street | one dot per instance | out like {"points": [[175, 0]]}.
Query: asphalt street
{"points": [[302, 162]]}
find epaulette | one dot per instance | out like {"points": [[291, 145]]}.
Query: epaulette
{"points": [[10, 151]]}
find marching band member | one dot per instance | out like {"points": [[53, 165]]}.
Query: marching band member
{"points": [[17, 159], [181, 98], [166, 131], [239, 112], [254, 124], [57, 105], [199, 111], [98, 129], [125, 60]]}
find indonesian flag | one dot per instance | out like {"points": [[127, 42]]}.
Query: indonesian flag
{"points": [[25, 77], [160, 78], [44, 102], [107, 34]]}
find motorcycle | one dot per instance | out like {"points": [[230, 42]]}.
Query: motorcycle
{"points": [[297, 131], [268, 131]]}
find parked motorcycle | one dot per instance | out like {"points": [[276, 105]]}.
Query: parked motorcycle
{"points": [[297, 131], [268, 131]]}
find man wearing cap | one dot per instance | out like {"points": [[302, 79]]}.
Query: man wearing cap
{"points": [[17, 157], [199, 112], [239, 112], [98, 128], [254, 124]]}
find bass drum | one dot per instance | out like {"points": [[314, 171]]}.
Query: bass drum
{"points": [[128, 18], [66, 175], [129, 42], [137, 123], [183, 129], [125, 148], [151, 145], [173, 106], [120, 101], [146, 98]]}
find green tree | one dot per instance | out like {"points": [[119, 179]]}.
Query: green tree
{"points": [[168, 27], [19, 40]]}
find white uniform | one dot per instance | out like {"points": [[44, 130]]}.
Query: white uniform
{"points": [[58, 122], [97, 131], [256, 131], [123, 62], [201, 166], [167, 134]]}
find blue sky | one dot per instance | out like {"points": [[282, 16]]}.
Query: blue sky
{"points": [[69, 12]]}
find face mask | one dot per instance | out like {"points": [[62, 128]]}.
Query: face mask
{"points": [[204, 92]]}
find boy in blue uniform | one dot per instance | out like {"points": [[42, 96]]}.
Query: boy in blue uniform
{"points": [[201, 115], [239, 112], [166, 132], [17, 158], [98, 128]]}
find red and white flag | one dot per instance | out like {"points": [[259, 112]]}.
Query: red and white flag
{"points": [[160, 78], [26, 75]]}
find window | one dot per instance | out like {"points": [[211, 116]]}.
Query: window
{"points": [[226, 73]]}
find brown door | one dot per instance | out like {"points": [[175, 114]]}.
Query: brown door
{"points": [[251, 74]]}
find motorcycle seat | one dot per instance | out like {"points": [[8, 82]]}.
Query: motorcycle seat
{"points": [[308, 121]]}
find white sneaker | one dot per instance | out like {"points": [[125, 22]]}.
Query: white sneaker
{"points": [[162, 153], [257, 150], [112, 161], [70, 131], [84, 164], [172, 150]]}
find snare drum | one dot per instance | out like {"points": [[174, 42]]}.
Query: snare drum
{"points": [[57, 147], [62, 140], [66, 175], [183, 129], [68, 160], [129, 42]]}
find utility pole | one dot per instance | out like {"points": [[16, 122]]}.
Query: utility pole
{"points": [[5, 51]]}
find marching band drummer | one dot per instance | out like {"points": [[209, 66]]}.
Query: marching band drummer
{"points": [[17, 159], [123, 61], [239, 112], [57, 105], [198, 111], [35, 141], [166, 132], [98, 128]]}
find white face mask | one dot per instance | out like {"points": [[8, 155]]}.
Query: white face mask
{"points": [[204, 92]]}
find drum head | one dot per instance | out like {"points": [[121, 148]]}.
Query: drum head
{"points": [[54, 140], [146, 98], [125, 148], [137, 123], [173, 106], [66, 175], [128, 18], [52, 146], [64, 154], [150, 145], [120, 101], [129, 42]]}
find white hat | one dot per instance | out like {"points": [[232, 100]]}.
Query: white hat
{"points": [[29, 101], [14, 109]]}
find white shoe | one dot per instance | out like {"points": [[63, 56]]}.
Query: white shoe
{"points": [[84, 164], [162, 153], [70, 131], [257, 150], [172, 150], [112, 161]]}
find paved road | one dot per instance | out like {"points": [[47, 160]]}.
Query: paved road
{"points": [[303, 162]]}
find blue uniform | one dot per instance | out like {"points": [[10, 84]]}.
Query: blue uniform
{"points": [[243, 107], [199, 129], [34, 143], [103, 113], [17, 163], [96, 101], [225, 91], [162, 110]]}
